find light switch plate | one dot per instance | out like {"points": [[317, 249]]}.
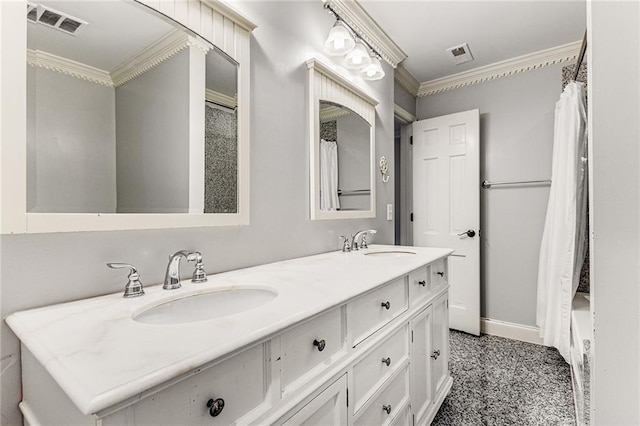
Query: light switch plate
{"points": [[389, 211]]}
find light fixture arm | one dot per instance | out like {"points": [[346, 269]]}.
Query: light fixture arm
{"points": [[355, 33]]}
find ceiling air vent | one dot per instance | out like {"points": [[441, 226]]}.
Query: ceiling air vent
{"points": [[460, 54], [54, 19]]}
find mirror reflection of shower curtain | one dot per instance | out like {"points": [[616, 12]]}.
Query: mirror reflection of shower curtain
{"points": [[562, 249], [329, 176]]}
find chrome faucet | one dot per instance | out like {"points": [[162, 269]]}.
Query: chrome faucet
{"points": [[360, 239], [172, 276]]}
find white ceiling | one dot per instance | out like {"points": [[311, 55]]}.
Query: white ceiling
{"points": [[494, 30], [117, 31]]}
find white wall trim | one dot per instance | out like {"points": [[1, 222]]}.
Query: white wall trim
{"points": [[332, 113], [220, 98], [403, 115], [151, 56], [356, 17], [529, 62], [509, 330], [325, 69], [406, 80], [38, 58], [229, 12]]}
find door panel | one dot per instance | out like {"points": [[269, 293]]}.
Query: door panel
{"points": [[446, 204]]}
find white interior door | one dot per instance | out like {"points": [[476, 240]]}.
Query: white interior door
{"points": [[446, 205]]}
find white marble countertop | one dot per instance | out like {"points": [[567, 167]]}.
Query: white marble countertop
{"points": [[100, 356]]}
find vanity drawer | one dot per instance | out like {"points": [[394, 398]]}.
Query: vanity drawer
{"points": [[310, 345], [372, 371], [394, 397], [372, 311], [403, 419], [439, 274], [240, 381], [419, 285]]}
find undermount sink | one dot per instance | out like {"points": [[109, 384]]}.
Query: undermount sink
{"points": [[390, 253], [206, 306]]}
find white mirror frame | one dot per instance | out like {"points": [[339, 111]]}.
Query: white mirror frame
{"points": [[213, 20], [324, 84]]}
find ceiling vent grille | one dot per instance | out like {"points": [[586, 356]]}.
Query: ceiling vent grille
{"points": [[52, 18], [460, 54]]}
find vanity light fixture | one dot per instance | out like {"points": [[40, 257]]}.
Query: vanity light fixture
{"points": [[360, 56], [374, 70], [340, 41]]}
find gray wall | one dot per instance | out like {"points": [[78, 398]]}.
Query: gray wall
{"points": [[38, 270], [614, 100], [354, 157], [152, 150], [403, 98], [71, 144], [516, 141]]}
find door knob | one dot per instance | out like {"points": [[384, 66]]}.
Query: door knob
{"points": [[470, 233]]}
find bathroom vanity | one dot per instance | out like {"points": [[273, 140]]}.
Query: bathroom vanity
{"points": [[336, 338]]}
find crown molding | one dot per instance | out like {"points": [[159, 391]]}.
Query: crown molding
{"points": [[406, 80], [403, 115], [220, 99], [529, 62], [226, 10], [355, 16], [41, 59], [332, 112], [153, 55]]}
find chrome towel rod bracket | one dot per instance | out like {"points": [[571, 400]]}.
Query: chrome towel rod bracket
{"points": [[486, 184]]}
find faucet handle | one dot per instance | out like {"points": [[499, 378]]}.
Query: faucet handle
{"points": [[133, 288], [363, 244], [199, 275], [346, 244]]}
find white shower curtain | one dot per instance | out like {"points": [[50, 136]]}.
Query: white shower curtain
{"points": [[329, 176], [563, 241]]}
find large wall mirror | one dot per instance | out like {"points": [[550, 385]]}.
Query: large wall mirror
{"points": [[133, 120], [342, 146]]}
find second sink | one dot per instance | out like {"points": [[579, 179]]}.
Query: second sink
{"points": [[206, 306]]}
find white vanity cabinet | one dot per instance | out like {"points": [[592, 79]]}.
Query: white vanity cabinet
{"points": [[379, 357]]}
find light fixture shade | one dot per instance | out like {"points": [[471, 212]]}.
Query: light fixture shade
{"points": [[373, 71], [358, 58], [340, 41]]}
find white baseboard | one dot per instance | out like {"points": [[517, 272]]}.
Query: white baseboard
{"points": [[509, 330]]}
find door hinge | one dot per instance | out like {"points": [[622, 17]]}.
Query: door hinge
{"points": [[411, 140], [347, 397], [411, 217]]}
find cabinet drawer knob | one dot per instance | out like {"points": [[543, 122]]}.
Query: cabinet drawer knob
{"points": [[320, 344], [215, 406], [422, 283], [435, 354], [387, 361], [387, 408], [440, 273], [386, 305]]}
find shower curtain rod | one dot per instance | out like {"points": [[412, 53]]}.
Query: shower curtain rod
{"points": [[583, 49], [486, 184]]}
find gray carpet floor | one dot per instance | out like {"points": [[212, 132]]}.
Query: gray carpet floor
{"points": [[499, 381]]}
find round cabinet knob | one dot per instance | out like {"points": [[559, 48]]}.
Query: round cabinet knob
{"points": [[320, 344], [435, 354], [387, 408], [422, 283], [386, 305], [215, 406], [386, 361]]}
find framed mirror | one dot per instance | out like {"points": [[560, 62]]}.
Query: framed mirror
{"points": [[143, 124], [342, 146]]}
